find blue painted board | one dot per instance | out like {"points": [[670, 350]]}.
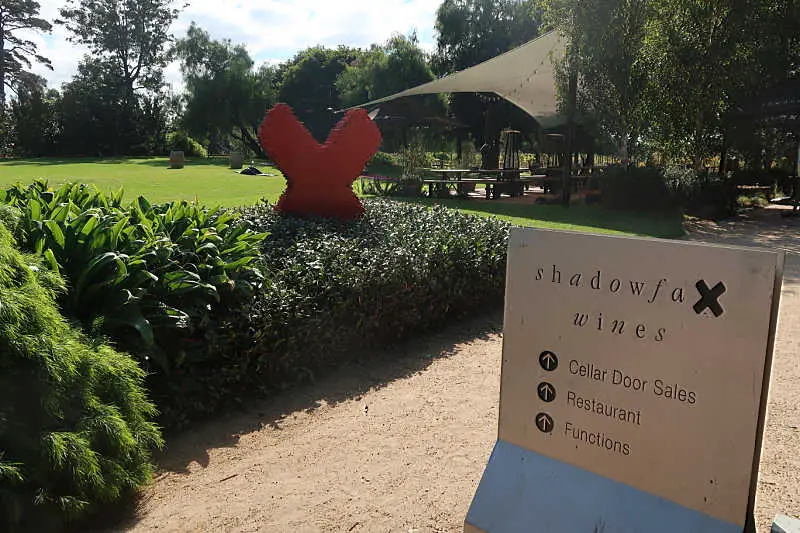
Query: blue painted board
{"points": [[522, 491]]}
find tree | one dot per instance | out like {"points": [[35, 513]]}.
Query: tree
{"points": [[129, 42], [470, 32], [606, 41], [131, 36], [7, 134], [225, 95], [691, 50], [685, 78], [16, 54], [768, 67], [308, 86], [35, 111], [397, 65], [383, 70], [94, 120], [91, 109]]}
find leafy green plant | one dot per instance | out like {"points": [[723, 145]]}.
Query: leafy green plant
{"points": [[157, 279], [754, 201], [651, 189], [384, 159], [75, 422], [249, 301]]}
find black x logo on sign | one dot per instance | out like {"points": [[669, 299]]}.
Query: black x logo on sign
{"points": [[709, 298]]}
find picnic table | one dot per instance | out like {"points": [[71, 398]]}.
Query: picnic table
{"points": [[577, 183], [505, 180], [497, 181], [444, 179]]}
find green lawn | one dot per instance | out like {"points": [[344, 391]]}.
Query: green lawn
{"points": [[211, 182], [574, 218]]}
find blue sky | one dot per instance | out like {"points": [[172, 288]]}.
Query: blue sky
{"points": [[272, 30]]}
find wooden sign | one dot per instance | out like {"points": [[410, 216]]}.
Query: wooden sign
{"points": [[633, 387]]}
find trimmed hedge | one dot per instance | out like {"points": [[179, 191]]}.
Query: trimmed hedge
{"points": [[652, 189], [338, 287], [334, 289], [75, 422], [636, 189]]}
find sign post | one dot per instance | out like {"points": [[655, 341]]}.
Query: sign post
{"points": [[634, 386], [796, 191], [797, 167]]}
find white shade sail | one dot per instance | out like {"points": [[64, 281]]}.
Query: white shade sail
{"points": [[525, 76]]}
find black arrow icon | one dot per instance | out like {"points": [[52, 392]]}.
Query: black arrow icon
{"points": [[547, 393], [544, 422], [549, 361]]}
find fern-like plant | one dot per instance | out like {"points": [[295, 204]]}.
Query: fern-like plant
{"points": [[76, 427]]}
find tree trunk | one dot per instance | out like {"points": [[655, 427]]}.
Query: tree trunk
{"points": [[490, 155], [723, 163], [250, 141], [698, 143], [572, 99], [2, 73]]}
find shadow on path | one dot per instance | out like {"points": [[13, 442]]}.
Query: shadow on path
{"points": [[348, 382]]}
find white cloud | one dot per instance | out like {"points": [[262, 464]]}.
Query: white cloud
{"points": [[272, 30]]}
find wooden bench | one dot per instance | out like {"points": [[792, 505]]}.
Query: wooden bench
{"points": [[494, 186]]}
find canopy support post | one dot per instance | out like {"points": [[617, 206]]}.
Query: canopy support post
{"points": [[569, 148]]}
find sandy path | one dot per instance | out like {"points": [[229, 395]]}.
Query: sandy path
{"points": [[400, 444]]}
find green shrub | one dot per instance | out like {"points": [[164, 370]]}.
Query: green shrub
{"points": [[180, 141], [755, 201], [75, 429], [636, 189], [159, 280], [9, 217], [335, 289], [652, 189], [703, 194], [383, 159]]}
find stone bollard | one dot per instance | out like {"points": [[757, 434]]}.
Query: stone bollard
{"points": [[176, 159], [236, 160]]}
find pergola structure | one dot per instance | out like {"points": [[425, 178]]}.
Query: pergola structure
{"points": [[524, 76]]}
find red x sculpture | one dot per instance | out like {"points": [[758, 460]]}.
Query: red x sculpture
{"points": [[319, 177]]}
